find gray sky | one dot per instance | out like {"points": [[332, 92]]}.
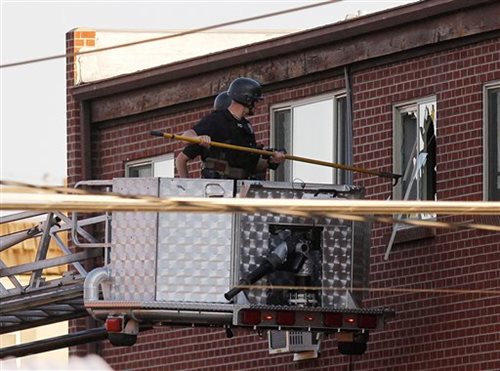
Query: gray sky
{"points": [[33, 97]]}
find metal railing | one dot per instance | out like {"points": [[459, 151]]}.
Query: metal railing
{"points": [[28, 297]]}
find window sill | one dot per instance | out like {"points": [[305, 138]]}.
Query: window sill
{"points": [[414, 234]]}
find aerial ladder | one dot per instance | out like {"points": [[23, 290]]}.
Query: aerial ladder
{"points": [[28, 298]]}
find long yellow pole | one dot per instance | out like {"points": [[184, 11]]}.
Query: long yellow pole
{"points": [[43, 201], [287, 156]]}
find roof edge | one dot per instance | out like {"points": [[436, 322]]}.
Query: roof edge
{"points": [[340, 31]]}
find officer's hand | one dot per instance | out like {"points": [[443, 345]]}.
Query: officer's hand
{"points": [[278, 157], [204, 140], [275, 160]]}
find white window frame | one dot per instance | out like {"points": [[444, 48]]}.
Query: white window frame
{"points": [[290, 105], [151, 161], [486, 135], [415, 106], [398, 109]]}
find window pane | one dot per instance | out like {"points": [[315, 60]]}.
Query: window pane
{"points": [[415, 153], [313, 138], [140, 171], [409, 152], [164, 168], [418, 151], [341, 139], [427, 139], [283, 140], [494, 144]]}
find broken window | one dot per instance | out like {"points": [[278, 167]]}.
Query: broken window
{"points": [[313, 128], [492, 142], [414, 156], [414, 146]]}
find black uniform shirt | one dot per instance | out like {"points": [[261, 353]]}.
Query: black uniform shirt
{"points": [[223, 127]]}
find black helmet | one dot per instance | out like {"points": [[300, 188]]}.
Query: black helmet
{"points": [[245, 91], [222, 101]]}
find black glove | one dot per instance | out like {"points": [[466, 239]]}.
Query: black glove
{"points": [[273, 165]]}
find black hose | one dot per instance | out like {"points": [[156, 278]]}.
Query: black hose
{"points": [[263, 269]]}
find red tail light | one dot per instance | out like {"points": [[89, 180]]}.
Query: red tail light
{"points": [[350, 319], [113, 324], [250, 317], [285, 318], [367, 321], [332, 319], [308, 318]]}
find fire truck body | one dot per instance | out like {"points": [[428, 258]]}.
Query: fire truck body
{"points": [[257, 270]]}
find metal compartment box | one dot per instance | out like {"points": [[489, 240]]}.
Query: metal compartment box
{"points": [[189, 260], [337, 260]]}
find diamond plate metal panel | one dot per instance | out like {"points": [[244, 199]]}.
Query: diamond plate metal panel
{"points": [[337, 262], [361, 258], [194, 249], [336, 255], [133, 244]]}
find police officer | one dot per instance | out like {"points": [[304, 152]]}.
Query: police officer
{"points": [[222, 101], [229, 126]]}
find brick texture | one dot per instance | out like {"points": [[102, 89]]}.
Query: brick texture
{"points": [[74, 41], [432, 330], [72, 115]]}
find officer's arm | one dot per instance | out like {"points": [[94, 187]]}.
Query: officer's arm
{"points": [[261, 166], [181, 165], [204, 139], [190, 133]]}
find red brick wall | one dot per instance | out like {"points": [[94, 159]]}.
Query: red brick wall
{"points": [[432, 330], [75, 40], [74, 162], [115, 146], [72, 115], [208, 349]]}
